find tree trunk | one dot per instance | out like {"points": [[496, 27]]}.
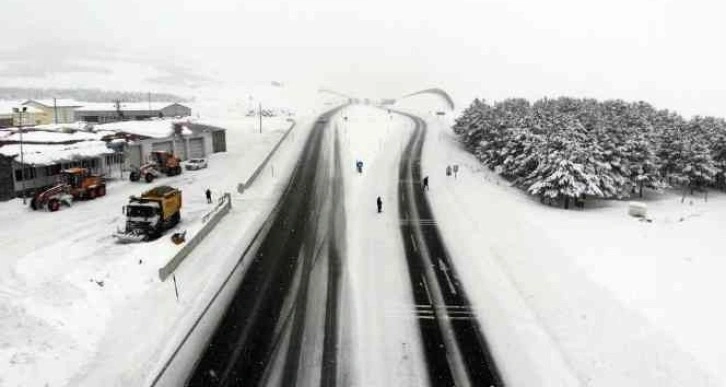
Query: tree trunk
{"points": [[567, 202], [641, 189]]}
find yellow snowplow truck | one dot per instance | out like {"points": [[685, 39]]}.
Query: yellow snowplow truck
{"points": [[152, 213]]}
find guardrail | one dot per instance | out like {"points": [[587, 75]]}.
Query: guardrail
{"points": [[241, 187], [209, 220]]}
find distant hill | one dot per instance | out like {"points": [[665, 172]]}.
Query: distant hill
{"points": [[86, 95]]}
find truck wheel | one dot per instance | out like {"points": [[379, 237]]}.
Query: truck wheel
{"points": [[34, 203], [175, 219], [178, 169], [149, 178], [53, 205], [101, 191], [134, 176], [91, 193]]}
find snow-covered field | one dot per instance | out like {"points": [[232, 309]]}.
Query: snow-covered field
{"points": [[591, 297], [78, 309]]}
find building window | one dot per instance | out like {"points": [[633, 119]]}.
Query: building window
{"points": [[29, 174], [116, 158], [53, 170], [89, 163]]}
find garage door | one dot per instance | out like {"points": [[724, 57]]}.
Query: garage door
{"points": [[134, 155], [181, 149], [196, 147], [162, 146]]}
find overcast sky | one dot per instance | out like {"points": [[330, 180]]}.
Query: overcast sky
{"points": [[670, 53]]}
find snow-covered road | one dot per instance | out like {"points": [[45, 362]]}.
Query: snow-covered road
{"points": [[294, 330]]}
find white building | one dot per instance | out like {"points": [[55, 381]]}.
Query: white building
{"points": [[186, 139], [8, 118], [46, 154], [123, 111], [52, 111]]}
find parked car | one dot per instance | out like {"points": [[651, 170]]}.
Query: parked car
{"points": [[196, 164]]}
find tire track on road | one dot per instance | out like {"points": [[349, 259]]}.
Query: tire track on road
{"points": [[456, 350]]}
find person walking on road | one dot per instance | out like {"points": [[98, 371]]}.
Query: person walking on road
{"points": [[208, 193], [379, 203], [426, 183]]}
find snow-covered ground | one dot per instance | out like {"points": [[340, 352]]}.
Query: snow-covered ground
{"points": [[386, 344], [591, 297], [78, 309]]}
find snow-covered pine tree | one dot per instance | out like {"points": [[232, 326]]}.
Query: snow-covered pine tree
{"points": [[699, 169], [521, 153], [643, 166], [557, 177]]}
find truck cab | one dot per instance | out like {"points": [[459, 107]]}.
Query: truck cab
{"points": [[152, 213]]}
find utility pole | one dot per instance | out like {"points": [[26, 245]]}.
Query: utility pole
{"points": [[55, 110], [260, 112], [119, 113]]}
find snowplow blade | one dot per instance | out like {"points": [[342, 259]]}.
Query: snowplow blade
{"points": [[124, 238]]}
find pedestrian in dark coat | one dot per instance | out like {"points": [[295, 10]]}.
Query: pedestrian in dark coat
{"points": [[208, 193], [379, 203]]}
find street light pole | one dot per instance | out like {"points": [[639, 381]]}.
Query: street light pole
{"points": [[20, 112]]}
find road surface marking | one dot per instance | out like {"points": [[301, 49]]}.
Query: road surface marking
{"points": [[445, 269], [426, 287], [414, 242]]}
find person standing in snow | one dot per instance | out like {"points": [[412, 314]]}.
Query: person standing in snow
{"points": [[208, 193], [379, 203], [426, 183]]}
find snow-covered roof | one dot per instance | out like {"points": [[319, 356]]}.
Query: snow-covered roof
{"points": [[58, 102], [57, 137], [78, 125], [151, 128], [125, 106], [52, 154]]}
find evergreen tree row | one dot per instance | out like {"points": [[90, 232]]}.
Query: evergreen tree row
{"points": [[568, 149]]}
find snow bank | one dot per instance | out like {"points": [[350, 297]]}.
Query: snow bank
{"points": [[386, 344]]}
